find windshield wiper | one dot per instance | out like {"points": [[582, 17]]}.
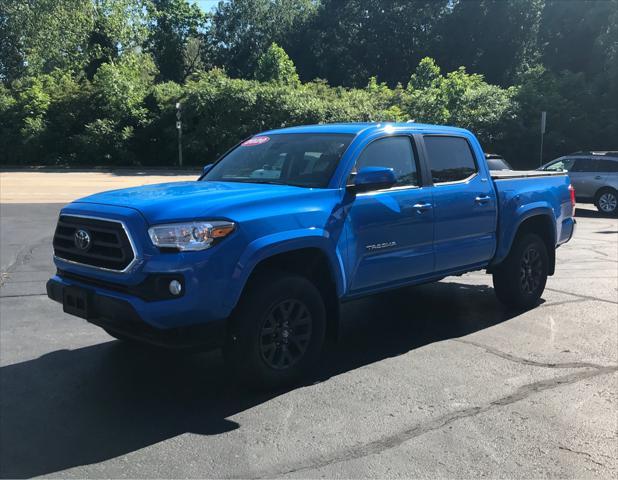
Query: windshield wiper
{"points": [[261, 181], [278, 182]]}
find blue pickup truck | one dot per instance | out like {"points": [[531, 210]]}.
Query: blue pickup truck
{"points": [[257, 255]]}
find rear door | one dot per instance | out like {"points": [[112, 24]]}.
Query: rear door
{"points": [[608, 170], [464, 204], [585, 177]]}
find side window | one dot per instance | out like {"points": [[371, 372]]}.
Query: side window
{"points": [[607, 166], [391, 152], [450, 158], [561, 165], [583, 165]]}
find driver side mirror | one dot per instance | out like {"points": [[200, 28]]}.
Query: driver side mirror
{"points": [[207, 168], [373, 178]]}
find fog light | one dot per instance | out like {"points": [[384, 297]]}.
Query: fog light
{"points": [[175, 287]]}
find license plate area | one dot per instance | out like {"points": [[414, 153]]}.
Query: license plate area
{"points": [[75, 301]]}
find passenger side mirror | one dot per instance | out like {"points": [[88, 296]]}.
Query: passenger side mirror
{"points": [[373, 178], [206, 168]]}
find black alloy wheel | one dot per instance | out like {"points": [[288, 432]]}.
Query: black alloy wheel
{"points": [[531, 270], [286, 333]]}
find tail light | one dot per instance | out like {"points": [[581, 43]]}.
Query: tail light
{"points": [[572, 192]]}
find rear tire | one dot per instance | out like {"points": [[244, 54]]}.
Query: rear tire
{"points": [[277, 331], [520, 280], [606, 201]]}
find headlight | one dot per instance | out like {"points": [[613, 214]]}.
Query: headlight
{"points": [[190, 236]]}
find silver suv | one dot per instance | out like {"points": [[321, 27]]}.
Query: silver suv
{"points": [[594, 176]]}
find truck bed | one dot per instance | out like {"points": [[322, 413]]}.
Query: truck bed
{"points": [[521, 193], [511, 174]]}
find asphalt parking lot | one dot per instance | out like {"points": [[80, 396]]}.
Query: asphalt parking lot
{"points": [[433, 381]]}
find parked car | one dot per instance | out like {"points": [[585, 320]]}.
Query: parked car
{"points": [[594, 176], [259, 266], [497, 162]]}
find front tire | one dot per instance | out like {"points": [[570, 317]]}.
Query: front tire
{"points": [[606, 201], [520, 280], [277, 331]]}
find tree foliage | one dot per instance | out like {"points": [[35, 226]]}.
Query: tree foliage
{"points": [[274, 65], [96, 81], [242, 29], [175, 40]]}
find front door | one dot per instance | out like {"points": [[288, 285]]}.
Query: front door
{"points": [[391, 231]]}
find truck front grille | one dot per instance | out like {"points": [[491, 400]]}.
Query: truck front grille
{"points": [[95, 242]]}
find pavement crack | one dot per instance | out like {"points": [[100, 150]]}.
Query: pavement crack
{"points": [[584, 297], [577, 452], [23, 257], [532, 363], [24, 295], [381, 445], [564, 302]]}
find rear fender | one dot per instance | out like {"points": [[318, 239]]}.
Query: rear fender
{"points": [[508, 233]]}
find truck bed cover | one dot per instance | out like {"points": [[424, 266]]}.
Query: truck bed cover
{"points": [[510, 174]]}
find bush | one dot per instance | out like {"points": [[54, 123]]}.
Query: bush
{"points": [[123, 117]]}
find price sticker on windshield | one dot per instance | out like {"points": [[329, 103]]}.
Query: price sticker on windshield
{"points": [[255, 141]]}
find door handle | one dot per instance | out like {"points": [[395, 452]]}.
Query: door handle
{"points": [[422, 207], [598, 177], [482, 199]]}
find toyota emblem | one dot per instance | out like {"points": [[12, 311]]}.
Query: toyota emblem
{"points": [[82, 240]]}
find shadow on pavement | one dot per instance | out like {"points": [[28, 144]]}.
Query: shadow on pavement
{"points": [[75, 407], [586, 213]]}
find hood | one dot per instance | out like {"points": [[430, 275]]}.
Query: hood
{"points": [[180, 201]]}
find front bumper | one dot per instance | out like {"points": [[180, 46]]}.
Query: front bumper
{"points": [[116, 311]]}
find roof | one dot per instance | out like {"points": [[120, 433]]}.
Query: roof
{"points": [[595, 153], [356, 128]]}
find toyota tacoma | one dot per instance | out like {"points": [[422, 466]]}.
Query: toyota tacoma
{"points": [[257, 255]]}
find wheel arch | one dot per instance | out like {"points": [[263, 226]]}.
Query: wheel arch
{"points": [[540, 222], [310, 256], [602, 189]]}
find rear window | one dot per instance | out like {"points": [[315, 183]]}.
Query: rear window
{"points": [[584, 165], [607, 166], [450, 158]]}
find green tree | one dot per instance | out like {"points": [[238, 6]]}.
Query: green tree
{"points": [[175, 38], [352, 40], [458, 98], [274, 65], [576, 35], [120, 26], [497, 38], [426, 75], [120, 87], [241, 29], [39, 36]]}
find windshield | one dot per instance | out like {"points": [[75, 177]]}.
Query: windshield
{"points": [[301, 159]]}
